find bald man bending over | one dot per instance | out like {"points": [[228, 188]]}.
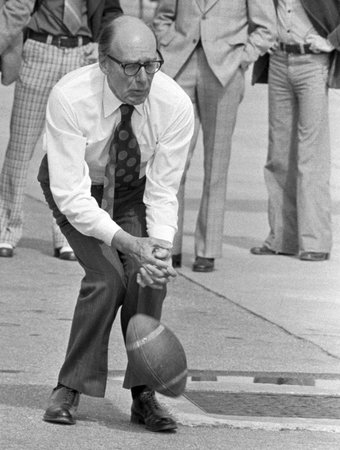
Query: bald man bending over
{"points": [[117, 137]]}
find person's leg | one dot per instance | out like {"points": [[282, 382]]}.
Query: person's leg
{"points": [[218, 107], [30, 97], [313, 192], [71, 59], [129, 213], [101, 293], [187, 79], [280, 169]]}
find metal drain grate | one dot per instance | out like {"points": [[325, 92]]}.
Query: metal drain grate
{"points": [[266, 405]]}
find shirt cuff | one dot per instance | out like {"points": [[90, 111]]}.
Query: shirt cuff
{"points": [[164, 232]]}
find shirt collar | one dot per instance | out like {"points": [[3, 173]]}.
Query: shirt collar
{"points": [[111, 103]]}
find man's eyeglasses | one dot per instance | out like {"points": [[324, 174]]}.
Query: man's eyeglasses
{"points": [[131, 69]]}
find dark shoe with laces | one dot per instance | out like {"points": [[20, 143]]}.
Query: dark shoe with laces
{"points": [[146, 410], [202, 264], [63, 404]]}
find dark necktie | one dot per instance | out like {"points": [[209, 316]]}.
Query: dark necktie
{"points": [[123, 167]]}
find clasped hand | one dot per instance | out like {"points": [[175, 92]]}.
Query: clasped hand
{"points": [[153, 257]]}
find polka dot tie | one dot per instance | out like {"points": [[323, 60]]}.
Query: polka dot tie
{"points": [[123, 167]]}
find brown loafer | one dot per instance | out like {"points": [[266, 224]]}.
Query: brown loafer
{"points": [[63, 404], [146, 410], [314, 256], [203, 264]]}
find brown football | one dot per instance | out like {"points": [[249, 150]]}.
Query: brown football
{"points": [[156, 354]]}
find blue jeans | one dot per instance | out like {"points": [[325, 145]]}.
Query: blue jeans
{"points": [[109, 283]]}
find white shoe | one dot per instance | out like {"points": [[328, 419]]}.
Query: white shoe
{"points": [[66, 253]]}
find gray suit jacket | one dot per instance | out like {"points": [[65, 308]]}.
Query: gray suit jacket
{"points": [[233, 32]]}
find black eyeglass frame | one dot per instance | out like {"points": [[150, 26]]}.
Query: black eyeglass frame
{"points": [[123, 65]]}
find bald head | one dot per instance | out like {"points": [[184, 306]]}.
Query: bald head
{"points": [[126, 37]]}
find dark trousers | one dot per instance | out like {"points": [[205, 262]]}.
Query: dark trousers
{"points": [[109, 282]]}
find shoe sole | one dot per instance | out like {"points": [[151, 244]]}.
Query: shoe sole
{"points": [[135, 418], [196, 269], [60, 420]]}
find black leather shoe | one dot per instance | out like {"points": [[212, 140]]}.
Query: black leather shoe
{"points": [[314, 256], [177, 261], [146, 410], [65, 253], [63, 404], [203, 264], [267, 251], [6, 252]]}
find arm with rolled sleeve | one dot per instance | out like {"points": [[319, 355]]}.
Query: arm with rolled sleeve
{"points": [[70, 182], [165, 171]]}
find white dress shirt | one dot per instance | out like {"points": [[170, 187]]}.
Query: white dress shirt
{"points": [[82, 113], [294, 25]]}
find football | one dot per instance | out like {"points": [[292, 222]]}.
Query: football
{"points": [[156, 354]]}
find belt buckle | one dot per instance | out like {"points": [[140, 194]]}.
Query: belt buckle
{"points": [[60, 41], [302, 49]]}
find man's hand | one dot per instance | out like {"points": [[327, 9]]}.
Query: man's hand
{"points": [[273, 48], [153, 256], [91, 53], [319, 44]]}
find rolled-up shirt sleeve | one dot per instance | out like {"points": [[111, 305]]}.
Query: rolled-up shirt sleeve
{"points": [[165, 170], [70, 181]]}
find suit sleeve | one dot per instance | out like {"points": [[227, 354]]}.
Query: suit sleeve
{"points": [[112, 9], [164, 17], [14, 16], [262, 19]]}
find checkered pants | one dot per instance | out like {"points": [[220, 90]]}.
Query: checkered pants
{"points": [[43, 65]]}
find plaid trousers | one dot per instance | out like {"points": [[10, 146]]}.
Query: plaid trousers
{"points": [[43, 65]]}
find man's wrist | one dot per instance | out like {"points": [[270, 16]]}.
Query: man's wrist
{"points": [[123, 241]]}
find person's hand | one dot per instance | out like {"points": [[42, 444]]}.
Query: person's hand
{"points": [[158, 278], [91, 53], [319, 44], [153, 257], [273, 48]]}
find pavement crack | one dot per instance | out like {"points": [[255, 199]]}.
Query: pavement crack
{"points": [[259, 316]]}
